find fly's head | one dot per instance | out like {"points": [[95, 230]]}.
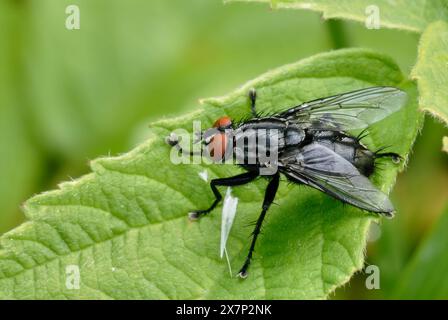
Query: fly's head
{"points": [[218, 139]]}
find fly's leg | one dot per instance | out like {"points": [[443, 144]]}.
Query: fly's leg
{"points": [[364, 133], [173, 140], [269, 196], [231, 181], [253, 99]]}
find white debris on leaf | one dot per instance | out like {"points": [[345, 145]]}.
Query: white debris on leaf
{"points": [[228, 215], [204, 175]]}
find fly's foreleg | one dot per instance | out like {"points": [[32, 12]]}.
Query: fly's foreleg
{"points": [[269, 196], [173, 140], [253, 99], [231, 181]]}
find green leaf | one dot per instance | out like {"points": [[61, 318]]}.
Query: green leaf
{"points": [[424, 276], [399, 14], [125, 225], [431, 70], [445, 144]]}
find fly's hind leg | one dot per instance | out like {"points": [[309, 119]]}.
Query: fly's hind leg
{"points": [[269, 196], [231, 181], [253, 99]]}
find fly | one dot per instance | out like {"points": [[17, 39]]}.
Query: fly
{"points": [[313, 147]]}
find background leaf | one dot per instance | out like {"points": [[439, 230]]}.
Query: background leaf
{"points": [[85, 96], [20, 161], [72, 95], [431, 70], [125, 224], [424, 277], [445, 144], [401, 14]]}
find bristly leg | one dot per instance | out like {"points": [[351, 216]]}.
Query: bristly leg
{"points": [[269, 196], [364, 133], [253, 99], [229, 182]]}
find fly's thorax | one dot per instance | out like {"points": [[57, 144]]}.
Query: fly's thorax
{"points": [[257, 146], [258, 142]]}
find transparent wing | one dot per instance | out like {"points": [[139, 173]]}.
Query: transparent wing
{"points": [[348, 111], [319, 167]]}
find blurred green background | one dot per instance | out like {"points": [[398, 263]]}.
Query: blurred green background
{"points": [[67, 96]]}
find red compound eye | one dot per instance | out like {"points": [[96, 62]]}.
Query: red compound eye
{"points": [[217, 146], [223, 122]]}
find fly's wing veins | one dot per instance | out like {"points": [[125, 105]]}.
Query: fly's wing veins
{"points": [[319, 167], [348, 111]]}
